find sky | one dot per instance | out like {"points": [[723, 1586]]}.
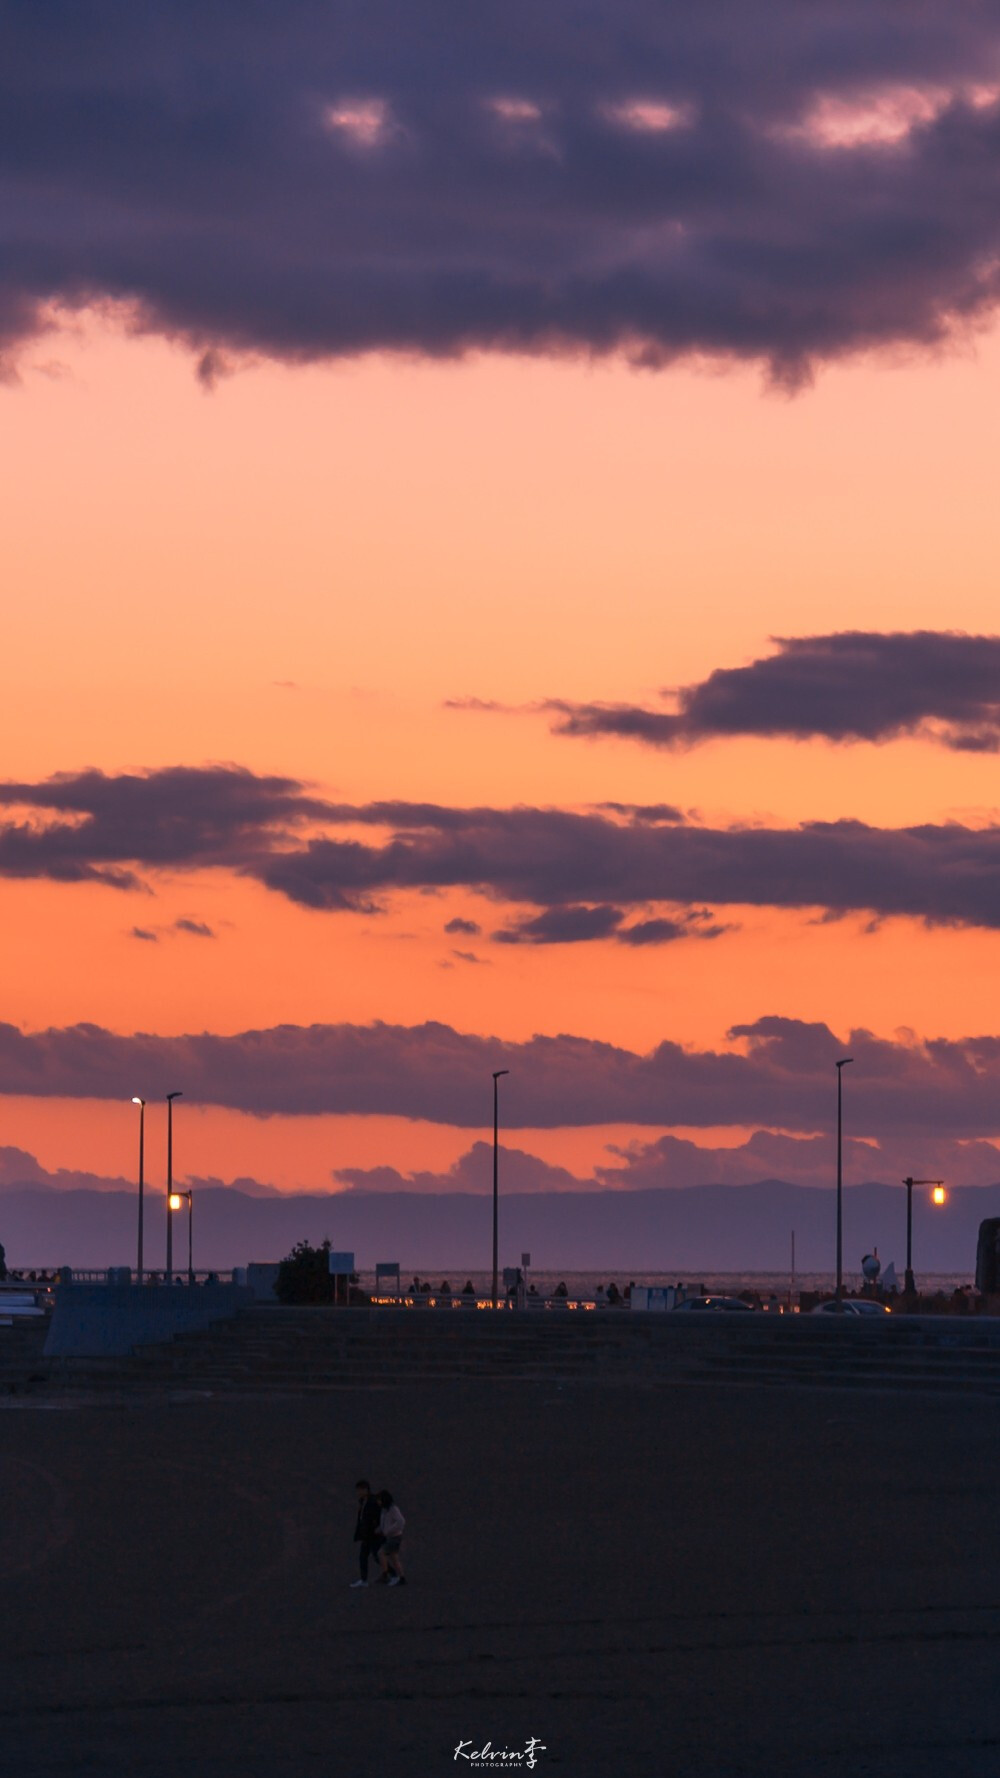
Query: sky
{"points": [[500, 553]]}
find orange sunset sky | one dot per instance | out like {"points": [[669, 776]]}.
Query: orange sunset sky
{"points": [[296, 570], [360, 402]]}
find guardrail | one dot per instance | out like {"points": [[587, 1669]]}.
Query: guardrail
{"points": [[27, 1278]]}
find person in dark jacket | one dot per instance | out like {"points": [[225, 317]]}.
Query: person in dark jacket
{"points": [[367, 1535]]}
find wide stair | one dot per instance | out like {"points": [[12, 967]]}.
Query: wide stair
{"points": [[302, 1350]]}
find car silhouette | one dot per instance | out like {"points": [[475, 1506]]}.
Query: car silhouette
{"points": [[714, 1305], [852, 1306]]}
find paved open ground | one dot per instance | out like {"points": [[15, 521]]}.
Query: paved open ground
{"points": [[721, 1579]]}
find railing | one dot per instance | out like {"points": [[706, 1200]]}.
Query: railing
{"points": [[462, 1301], [29, 1278]]}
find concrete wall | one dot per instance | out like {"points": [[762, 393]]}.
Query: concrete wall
{"points": [[109, 1320]]}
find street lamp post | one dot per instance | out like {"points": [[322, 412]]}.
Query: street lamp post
{"points": [[841, 1065], [170, 1184], [908, 1284], [142, 1137], [176, 1199], [496, 1154]]}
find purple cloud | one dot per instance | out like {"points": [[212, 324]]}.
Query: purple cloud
{"points": [[696, 923], [657, 180], [555, 858], [181, 815], [563, 926], [778, 1073], [673, 1163], [855, 686], [551, 860]]}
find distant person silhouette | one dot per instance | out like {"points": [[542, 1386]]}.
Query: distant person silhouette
{"points": [[367, 1534], [391, 1523]]}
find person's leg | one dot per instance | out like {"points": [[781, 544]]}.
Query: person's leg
{"points": [[364, 1551]]}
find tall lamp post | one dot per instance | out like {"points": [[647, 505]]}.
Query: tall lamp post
{"points": [[170, 1184], [499, 1072], [142, 1144], [176, 1199], [841, 1065], [939, 1194]]}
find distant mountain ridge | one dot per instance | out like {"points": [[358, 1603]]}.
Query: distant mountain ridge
{"points": [[688, 1228]]}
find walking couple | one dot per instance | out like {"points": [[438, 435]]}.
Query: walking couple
{"points": [[379, 1533]]}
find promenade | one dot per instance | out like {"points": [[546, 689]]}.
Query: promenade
{"points": [[655, 1575]]}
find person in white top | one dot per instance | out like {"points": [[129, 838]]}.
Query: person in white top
{"points": [[391, 1525]]}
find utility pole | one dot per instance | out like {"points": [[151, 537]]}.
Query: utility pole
{"points": [[841, 1065], [496, 1172]]}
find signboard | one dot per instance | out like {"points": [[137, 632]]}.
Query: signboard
{"points": [[341, 1264]]}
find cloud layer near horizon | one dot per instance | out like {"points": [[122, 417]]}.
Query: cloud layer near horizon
{"points": [[778, 1074], [667, 1163], [853, 686], [783, 183], [586, 868], [673, 1163]]}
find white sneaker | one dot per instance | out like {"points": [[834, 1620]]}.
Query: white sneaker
{"points": [[359, 1583], [394, 1581]]}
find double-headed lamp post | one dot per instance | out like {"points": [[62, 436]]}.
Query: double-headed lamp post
{"points": [[170, 1184], [498, 1074], [142, 1142], [176, 1200], [841, 1065], [938, 1196]]}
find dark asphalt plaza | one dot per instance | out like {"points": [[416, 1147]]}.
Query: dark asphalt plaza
{"points": [[724, 1580]]}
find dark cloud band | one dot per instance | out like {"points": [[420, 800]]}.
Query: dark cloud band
{"points": [[778, 1074], [583, 871], [782, 182], [855, 686]]}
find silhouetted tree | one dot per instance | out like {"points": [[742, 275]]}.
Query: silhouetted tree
{"points": [[304, 1277]]}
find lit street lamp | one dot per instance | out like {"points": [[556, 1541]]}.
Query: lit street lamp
{"points": [[174, 1203], [841, 1065], [938, 1196], [496, 1152], [170, 1184], [142, 1134]]}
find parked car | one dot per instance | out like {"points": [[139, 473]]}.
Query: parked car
{"points": [[714, 1305], [852, 1305]]}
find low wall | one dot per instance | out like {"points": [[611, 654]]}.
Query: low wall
{"points": [[110, 1320]]}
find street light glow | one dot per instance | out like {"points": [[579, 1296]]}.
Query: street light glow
{"points": [[175, 1200], [939, 1195], [136, 1100]]}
